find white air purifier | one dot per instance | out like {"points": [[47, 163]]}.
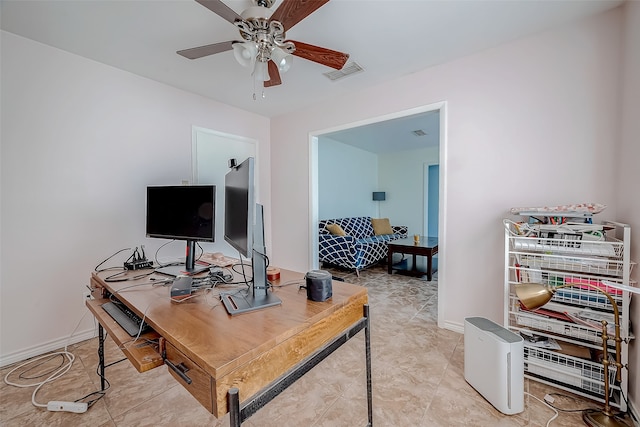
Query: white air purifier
{"points": [[494, 364]]}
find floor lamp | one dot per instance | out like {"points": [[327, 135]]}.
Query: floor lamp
{"points": [[535, 295]]}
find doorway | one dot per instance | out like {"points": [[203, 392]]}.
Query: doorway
{"points": [[438, 206]]}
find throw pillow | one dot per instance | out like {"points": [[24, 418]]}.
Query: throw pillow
{"points": [[336, 230], [381, 226]]}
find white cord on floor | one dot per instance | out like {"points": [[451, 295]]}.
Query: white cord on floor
{"points": [[54, 376], [547, 405]]}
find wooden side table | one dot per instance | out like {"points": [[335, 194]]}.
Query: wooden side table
{"points": [[427, 246]]}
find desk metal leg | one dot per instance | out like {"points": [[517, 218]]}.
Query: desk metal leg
{"points": [[367, 344], [234, 407], [101, 357]]}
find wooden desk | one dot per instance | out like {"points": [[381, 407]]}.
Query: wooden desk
{"points": [[427, 246], [223, 360]]}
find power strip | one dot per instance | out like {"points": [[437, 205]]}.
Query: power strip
{"points": [[137, 260], [137, 265], [76, 407]]}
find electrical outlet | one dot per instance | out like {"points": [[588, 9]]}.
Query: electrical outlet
{"points": [[86, 295]]}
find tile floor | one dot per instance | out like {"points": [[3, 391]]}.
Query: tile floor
{"points": [[418, 380]]}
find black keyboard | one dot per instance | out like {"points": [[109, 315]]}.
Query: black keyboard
{"points": [[127, 319]]}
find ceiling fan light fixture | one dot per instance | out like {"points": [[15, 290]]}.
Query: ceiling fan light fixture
{"points": [[263, 47], [261, 72], [282, 59], [245, 53], [256, 12]]}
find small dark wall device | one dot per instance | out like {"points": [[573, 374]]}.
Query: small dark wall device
{"points": [[318, 285], [181, 287]]}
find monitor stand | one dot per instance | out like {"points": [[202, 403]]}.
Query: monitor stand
{"points": [[188, 268], [181, 270], [258, 296], [245, 301]]}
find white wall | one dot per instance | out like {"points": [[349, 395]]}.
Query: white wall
{"points": [[346, 178], [528, 123], [628, 195], [80, 143], [402, 173]]}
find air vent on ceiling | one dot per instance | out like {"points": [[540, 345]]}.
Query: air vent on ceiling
{"points": [[419, 132], [347, 70]]}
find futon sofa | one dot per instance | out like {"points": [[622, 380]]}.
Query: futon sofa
{"points": [[353, 244]]}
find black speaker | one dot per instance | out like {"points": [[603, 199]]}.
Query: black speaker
{"points": [[318, 285]]}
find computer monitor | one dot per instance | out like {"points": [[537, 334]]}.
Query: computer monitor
{"points": [[239, 205], [244, 230], [184, 212]]}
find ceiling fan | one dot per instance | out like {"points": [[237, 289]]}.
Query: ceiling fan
{"points": [[263, 47]]}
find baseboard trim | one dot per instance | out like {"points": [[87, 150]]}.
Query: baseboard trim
{"points": [[19, 356], [452, 326]]}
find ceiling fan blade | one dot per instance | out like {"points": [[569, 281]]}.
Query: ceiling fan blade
{"points": [[290, 12], [274, 74], [210, 49], [221, 9], [321, 55]]}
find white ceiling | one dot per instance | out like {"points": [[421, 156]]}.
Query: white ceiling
{"points": [[393, 135], [388, 38]]}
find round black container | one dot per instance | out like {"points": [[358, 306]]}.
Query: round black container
{"points": [[318, 285]]}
